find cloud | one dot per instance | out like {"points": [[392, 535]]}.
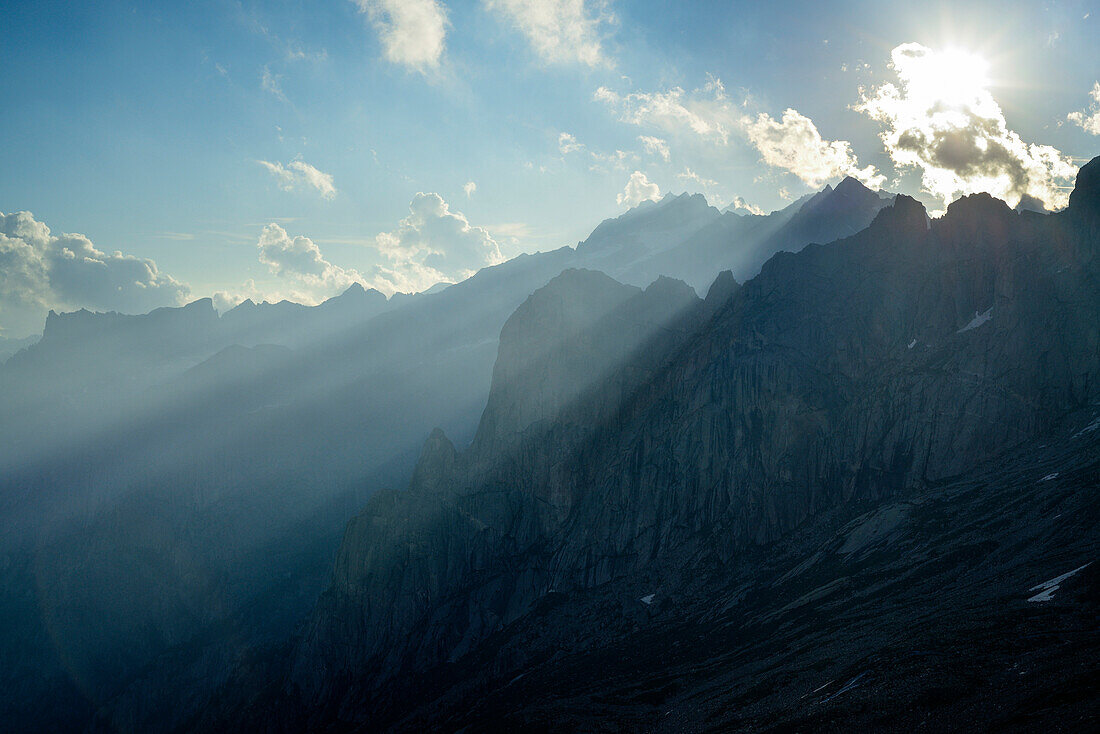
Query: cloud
{"points": [[270, 83], [413, 32], [638, 189], [793, 143], [298, 173], [432, 245], [299, 261], [690, 175], [40, 270], [705, 112], [560, 31], [942, 120], [618, 160], [655, 146], [1089, 119], [303, 274], [568, 144], [469, 187]]}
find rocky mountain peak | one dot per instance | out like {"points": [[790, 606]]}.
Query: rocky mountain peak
{"points": [[852, 187], [1085, 199], [906, 214], [721, 290], [981, 205], [671, 288], [436, 465]]}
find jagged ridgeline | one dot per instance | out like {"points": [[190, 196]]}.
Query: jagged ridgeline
{"points": [[176, 483], [701, 472], [824, 498]]}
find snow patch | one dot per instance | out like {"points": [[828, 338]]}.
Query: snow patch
{"points": [[978, 320], [647, 599], [1088, 429], [1047, 588], [854, 682]]}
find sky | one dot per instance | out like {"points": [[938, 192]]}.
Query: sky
{"points": [[158, 152]]}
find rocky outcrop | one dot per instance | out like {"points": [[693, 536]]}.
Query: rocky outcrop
{"points": [[463, 521], [843, 374]]}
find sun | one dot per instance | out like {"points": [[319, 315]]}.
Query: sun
{"points": [[949, 77]]}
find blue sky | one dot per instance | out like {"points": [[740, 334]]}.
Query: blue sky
{"points": [[144, 127]]}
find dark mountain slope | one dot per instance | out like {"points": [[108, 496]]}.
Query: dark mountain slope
{"points": [[913, 614], [840, 378]]}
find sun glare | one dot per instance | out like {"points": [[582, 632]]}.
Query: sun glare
{"points": [[960, 76], [950, 77]]}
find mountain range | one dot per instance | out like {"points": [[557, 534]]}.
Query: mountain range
{"points": [[633, 507]]}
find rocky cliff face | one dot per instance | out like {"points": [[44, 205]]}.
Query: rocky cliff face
{"points": [[463, 520], [841, 375]]}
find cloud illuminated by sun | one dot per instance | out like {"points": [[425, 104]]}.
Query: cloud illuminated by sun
{"points": [[941, 118], [948, 78]]}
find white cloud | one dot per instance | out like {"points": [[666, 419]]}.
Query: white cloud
{"points": [[560, 31], [413, 32], [270, 83], [690, 175], [942, 120], [638, 189], [40, 270], [469, 187], [297, 173], [1089, 119], [655, 146], [705, 112], [618, 160], [567, 143], [791, 143], [299, 261], [432, 245], [794, 144]]}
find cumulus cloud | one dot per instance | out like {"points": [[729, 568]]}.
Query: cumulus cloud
{"points": [[793, 143], [413, 32], [40, 270], [469, 187], [941, 119], [299, 173], [638, 189], [432, 245], [310, 276], [559, 31], [655, 146], [567, 143], [1089, 119]]}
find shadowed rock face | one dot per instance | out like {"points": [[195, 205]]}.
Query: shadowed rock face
{"points": [[841, 377]]}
